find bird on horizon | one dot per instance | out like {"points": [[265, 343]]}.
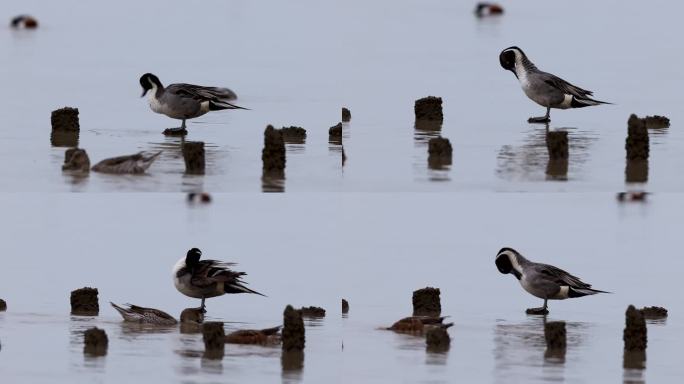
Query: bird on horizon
{"points": [[184, 101], [542, 280], [202, 279], [543, 88]]}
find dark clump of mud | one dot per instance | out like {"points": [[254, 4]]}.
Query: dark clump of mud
{"points": [[294, 135], [191, 320], [64, 138], [213, 336], [437, 339], [346, 114], [637, 143], [636, 171], [3, 305], [555, 335], [193, 154], [634, 334], [557, 144], [429, 108], [292, 361], [95, 342], [273, 154], [345, 306], [175, 132], [312, 311], [76, 160], [344, 157], [84, 302], [633, 196], [439, 152], [426, 302], [335, 134], [65, 119], [654, 312], [293, 330], [657, 122]]}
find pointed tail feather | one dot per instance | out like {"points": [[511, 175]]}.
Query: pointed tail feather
{"points": [[220, 105], [579, 292], [239, 288], [585, 102]]}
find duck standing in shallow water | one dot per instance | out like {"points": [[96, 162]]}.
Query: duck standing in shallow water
{"points": [[543, 88], [542, 280], [254, 336], [203, 279], [185, 101]]}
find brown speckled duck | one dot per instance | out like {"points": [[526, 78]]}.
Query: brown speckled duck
{"points": [[252, 336], [419, 324], [135, 314]]}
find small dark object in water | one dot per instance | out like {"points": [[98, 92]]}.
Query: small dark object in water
{"points": [[426, 302], [537, 311], [24, 21], [266, 336], [335, 133], [429, 108], [199, 197], [439, 152], [632, 196], [273, 154], [192, 315], [346, 114], [634, 335], [312, 311], [654, 312], [84, 302], [419, 324], [132, 164], [193, 154], [296, 135], [657, 122], [65, 119], [345, 306], [437, 339], [637, 143], [3, 305], [488, 9], [555, 335], [95, 342], [557, 144], [636, 171], [77, 160], [175, 132], [214, 336], [293, 330]]}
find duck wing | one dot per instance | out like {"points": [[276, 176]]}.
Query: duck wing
{"points": [[209, 272], [559, 276], [565, 86]]}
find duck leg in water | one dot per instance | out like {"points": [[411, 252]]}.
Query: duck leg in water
{"points": [[538, 311], [541, 119]]}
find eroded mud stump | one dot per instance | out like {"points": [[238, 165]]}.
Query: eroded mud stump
{"points": [[345, 306], [346, 114], [437, 340], [429, 108], [273, 154], [292, 361], [426, 302], [65, 127], [84, 302], [634, 334], [293, 330], [312, 311], [657, 122], [557, 144], [335, 134], [636, 171], [555, 335], [95, 342], [634, 360], [213, 336], [654, 313], [175, 132], [193, 154], [3, 305], [439, 152], [191, 320], [294, 135], [637, 143]]}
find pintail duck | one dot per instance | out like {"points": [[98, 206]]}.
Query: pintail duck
{"points": [[253, 336], [135, 314], [419, 324], [203, 279], [542, 280], [543, 88], [185, 101]]}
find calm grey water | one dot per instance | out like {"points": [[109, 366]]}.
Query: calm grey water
{"points": [[298, 63]]}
